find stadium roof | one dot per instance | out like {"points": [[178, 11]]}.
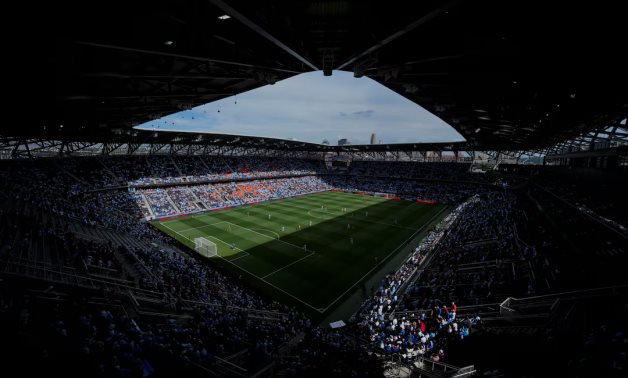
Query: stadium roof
{"points": [[506, 74]]}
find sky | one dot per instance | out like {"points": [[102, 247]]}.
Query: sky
{"points": [[311, 107]]}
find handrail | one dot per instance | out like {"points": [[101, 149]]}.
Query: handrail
{"points": [[426, 366], [594, 216], [81, 277], [460, 309], [276, 313], [581, 291]]}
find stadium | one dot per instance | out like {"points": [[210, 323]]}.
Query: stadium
{"points": [[153, 225]]}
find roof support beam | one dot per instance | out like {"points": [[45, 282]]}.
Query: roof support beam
{"points": [[182, 56], [115, 75], [417, 62], [80, 97], [426, 18], [240, 17]]}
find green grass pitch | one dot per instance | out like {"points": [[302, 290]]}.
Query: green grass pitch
{"points": [[313, 249]]}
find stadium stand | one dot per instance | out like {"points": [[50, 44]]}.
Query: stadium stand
{"points": [[518, 268], [66, 232]]}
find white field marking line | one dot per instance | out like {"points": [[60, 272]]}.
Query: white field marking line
{"points": [[207, 236], [265, 229], [270, 202], [358, 218], [194, 228], [288, 265], [255, 275], [385, 258], [244, 254], [266, 236], [273, 202]]}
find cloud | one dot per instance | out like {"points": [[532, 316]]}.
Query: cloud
{"points": [[363, 113], [312, 107]]}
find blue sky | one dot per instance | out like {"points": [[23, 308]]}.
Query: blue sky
{"points": [[311, 107]]}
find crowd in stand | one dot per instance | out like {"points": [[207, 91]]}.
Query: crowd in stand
{"points": [[576, 239], [449, 193], [408, 169], [184, 200], [112, 344], [480, 261], [445, 171], [416, 335], [218, 305], [189, 170], [116, 171], [325, 352], [168, 270], [598, 195]]}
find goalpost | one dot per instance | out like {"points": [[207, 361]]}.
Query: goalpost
{"points": [[205, 247]]}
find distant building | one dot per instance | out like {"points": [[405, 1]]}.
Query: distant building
{"points": [[343, 142], [373, 138], [325, 142]]}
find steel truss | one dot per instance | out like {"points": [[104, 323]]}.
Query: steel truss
{"points": [[27, 148], [448, 155], [602, 138]]}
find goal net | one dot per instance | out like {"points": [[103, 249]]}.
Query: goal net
{"points": [[205, 247]]}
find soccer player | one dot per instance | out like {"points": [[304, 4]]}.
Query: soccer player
{"points": [[268, 216], [233, 245], [348, 226], [310, 223], [351, 240], [283, 229]]}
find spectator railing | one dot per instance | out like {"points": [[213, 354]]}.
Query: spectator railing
{"points": [[519, 306], [425, 367]]}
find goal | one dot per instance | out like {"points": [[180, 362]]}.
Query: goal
{"points": [[205, 247]]}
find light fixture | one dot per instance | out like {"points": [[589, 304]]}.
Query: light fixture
{"points": [[168, 42], [477, 130], [224, 17]]}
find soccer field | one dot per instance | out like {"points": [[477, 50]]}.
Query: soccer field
{"points": [[312, 250]]}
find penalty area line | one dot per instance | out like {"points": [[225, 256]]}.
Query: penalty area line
{"points": [[253, 274], [194, 228], [386, 258], [266, 236], [288, 265]]}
